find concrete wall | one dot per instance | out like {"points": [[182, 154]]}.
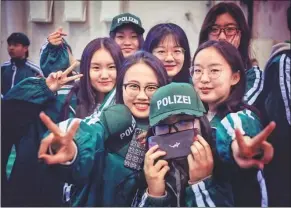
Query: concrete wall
{"points": [[189, 15], [79, 34], [269, 27], [269, 22]]}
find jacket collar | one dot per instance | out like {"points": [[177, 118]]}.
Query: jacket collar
{"points": [[18, 61]]}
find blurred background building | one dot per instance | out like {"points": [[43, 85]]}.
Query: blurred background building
{"points": [[86, 20]]}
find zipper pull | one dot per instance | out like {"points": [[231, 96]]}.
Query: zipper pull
{"points": [[14, 67]]}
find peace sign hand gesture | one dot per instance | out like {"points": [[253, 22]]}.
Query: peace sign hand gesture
{"points": [[62, 143], [245, 148], [57, 79]]}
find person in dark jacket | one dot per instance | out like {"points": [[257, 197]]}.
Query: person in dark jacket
{"points": [[19, 67], [274, 103]]}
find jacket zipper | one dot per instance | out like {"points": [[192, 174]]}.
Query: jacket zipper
{"points": [[14, 68], [176, 194], [178, 185]]}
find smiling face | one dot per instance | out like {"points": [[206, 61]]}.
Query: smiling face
{"points": [[213, 89], [171, 54], [139, 76], [127, 39], [102, 71]]}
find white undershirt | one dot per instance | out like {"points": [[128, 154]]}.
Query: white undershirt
{"points": [[210, 115]]}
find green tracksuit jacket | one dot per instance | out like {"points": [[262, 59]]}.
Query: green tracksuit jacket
{"points": [[16, 70], [249, 186], [254, 84], [207, 193], [274, 104], [35, 90], [54, 58], [118, 183]]}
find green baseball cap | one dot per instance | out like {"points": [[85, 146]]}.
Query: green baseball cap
{"points": [[127, 18], [173, 99]]}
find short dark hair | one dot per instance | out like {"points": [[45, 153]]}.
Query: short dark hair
{"points": [[141, 57], [20, 38], [234, 102], [158, 33], [236, 12], [86, 94]]}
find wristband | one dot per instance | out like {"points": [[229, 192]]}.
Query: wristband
{"points": [[147, 192]]}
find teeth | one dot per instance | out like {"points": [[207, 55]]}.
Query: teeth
{"points": [[141, 105]]}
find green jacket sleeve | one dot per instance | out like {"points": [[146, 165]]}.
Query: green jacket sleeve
{"points": [[53, 58], [248, 124], [149, 201], [91, 135], [254, 84], [209, 193], [32, 90], [206, 193], [90, 141]]}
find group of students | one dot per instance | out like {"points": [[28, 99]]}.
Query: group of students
{"points": [[87, 138]]}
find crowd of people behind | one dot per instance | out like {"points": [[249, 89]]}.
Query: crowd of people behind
{"points": [[145, 122]]}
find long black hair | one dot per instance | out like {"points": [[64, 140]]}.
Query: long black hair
{"points": [[86, 94], [235, 11]]}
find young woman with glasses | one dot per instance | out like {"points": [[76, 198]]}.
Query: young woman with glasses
{"points": [[226, 21], [140, 76], [219, 78], [169, 43]]}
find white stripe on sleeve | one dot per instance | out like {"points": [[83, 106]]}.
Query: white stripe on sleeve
{"points": [[198, 195], [143, 199], [285, 74], [226, 124], [237, 121], [206, 193], [255, 86], [263, 187]]}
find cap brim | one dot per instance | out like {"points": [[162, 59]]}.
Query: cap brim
{"points": [[154, 121], [137, 28]]}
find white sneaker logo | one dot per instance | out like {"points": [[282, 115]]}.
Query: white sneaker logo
{"points": [[175, 145]]}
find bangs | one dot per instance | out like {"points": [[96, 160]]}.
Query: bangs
{"points": [[170, 37]]}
